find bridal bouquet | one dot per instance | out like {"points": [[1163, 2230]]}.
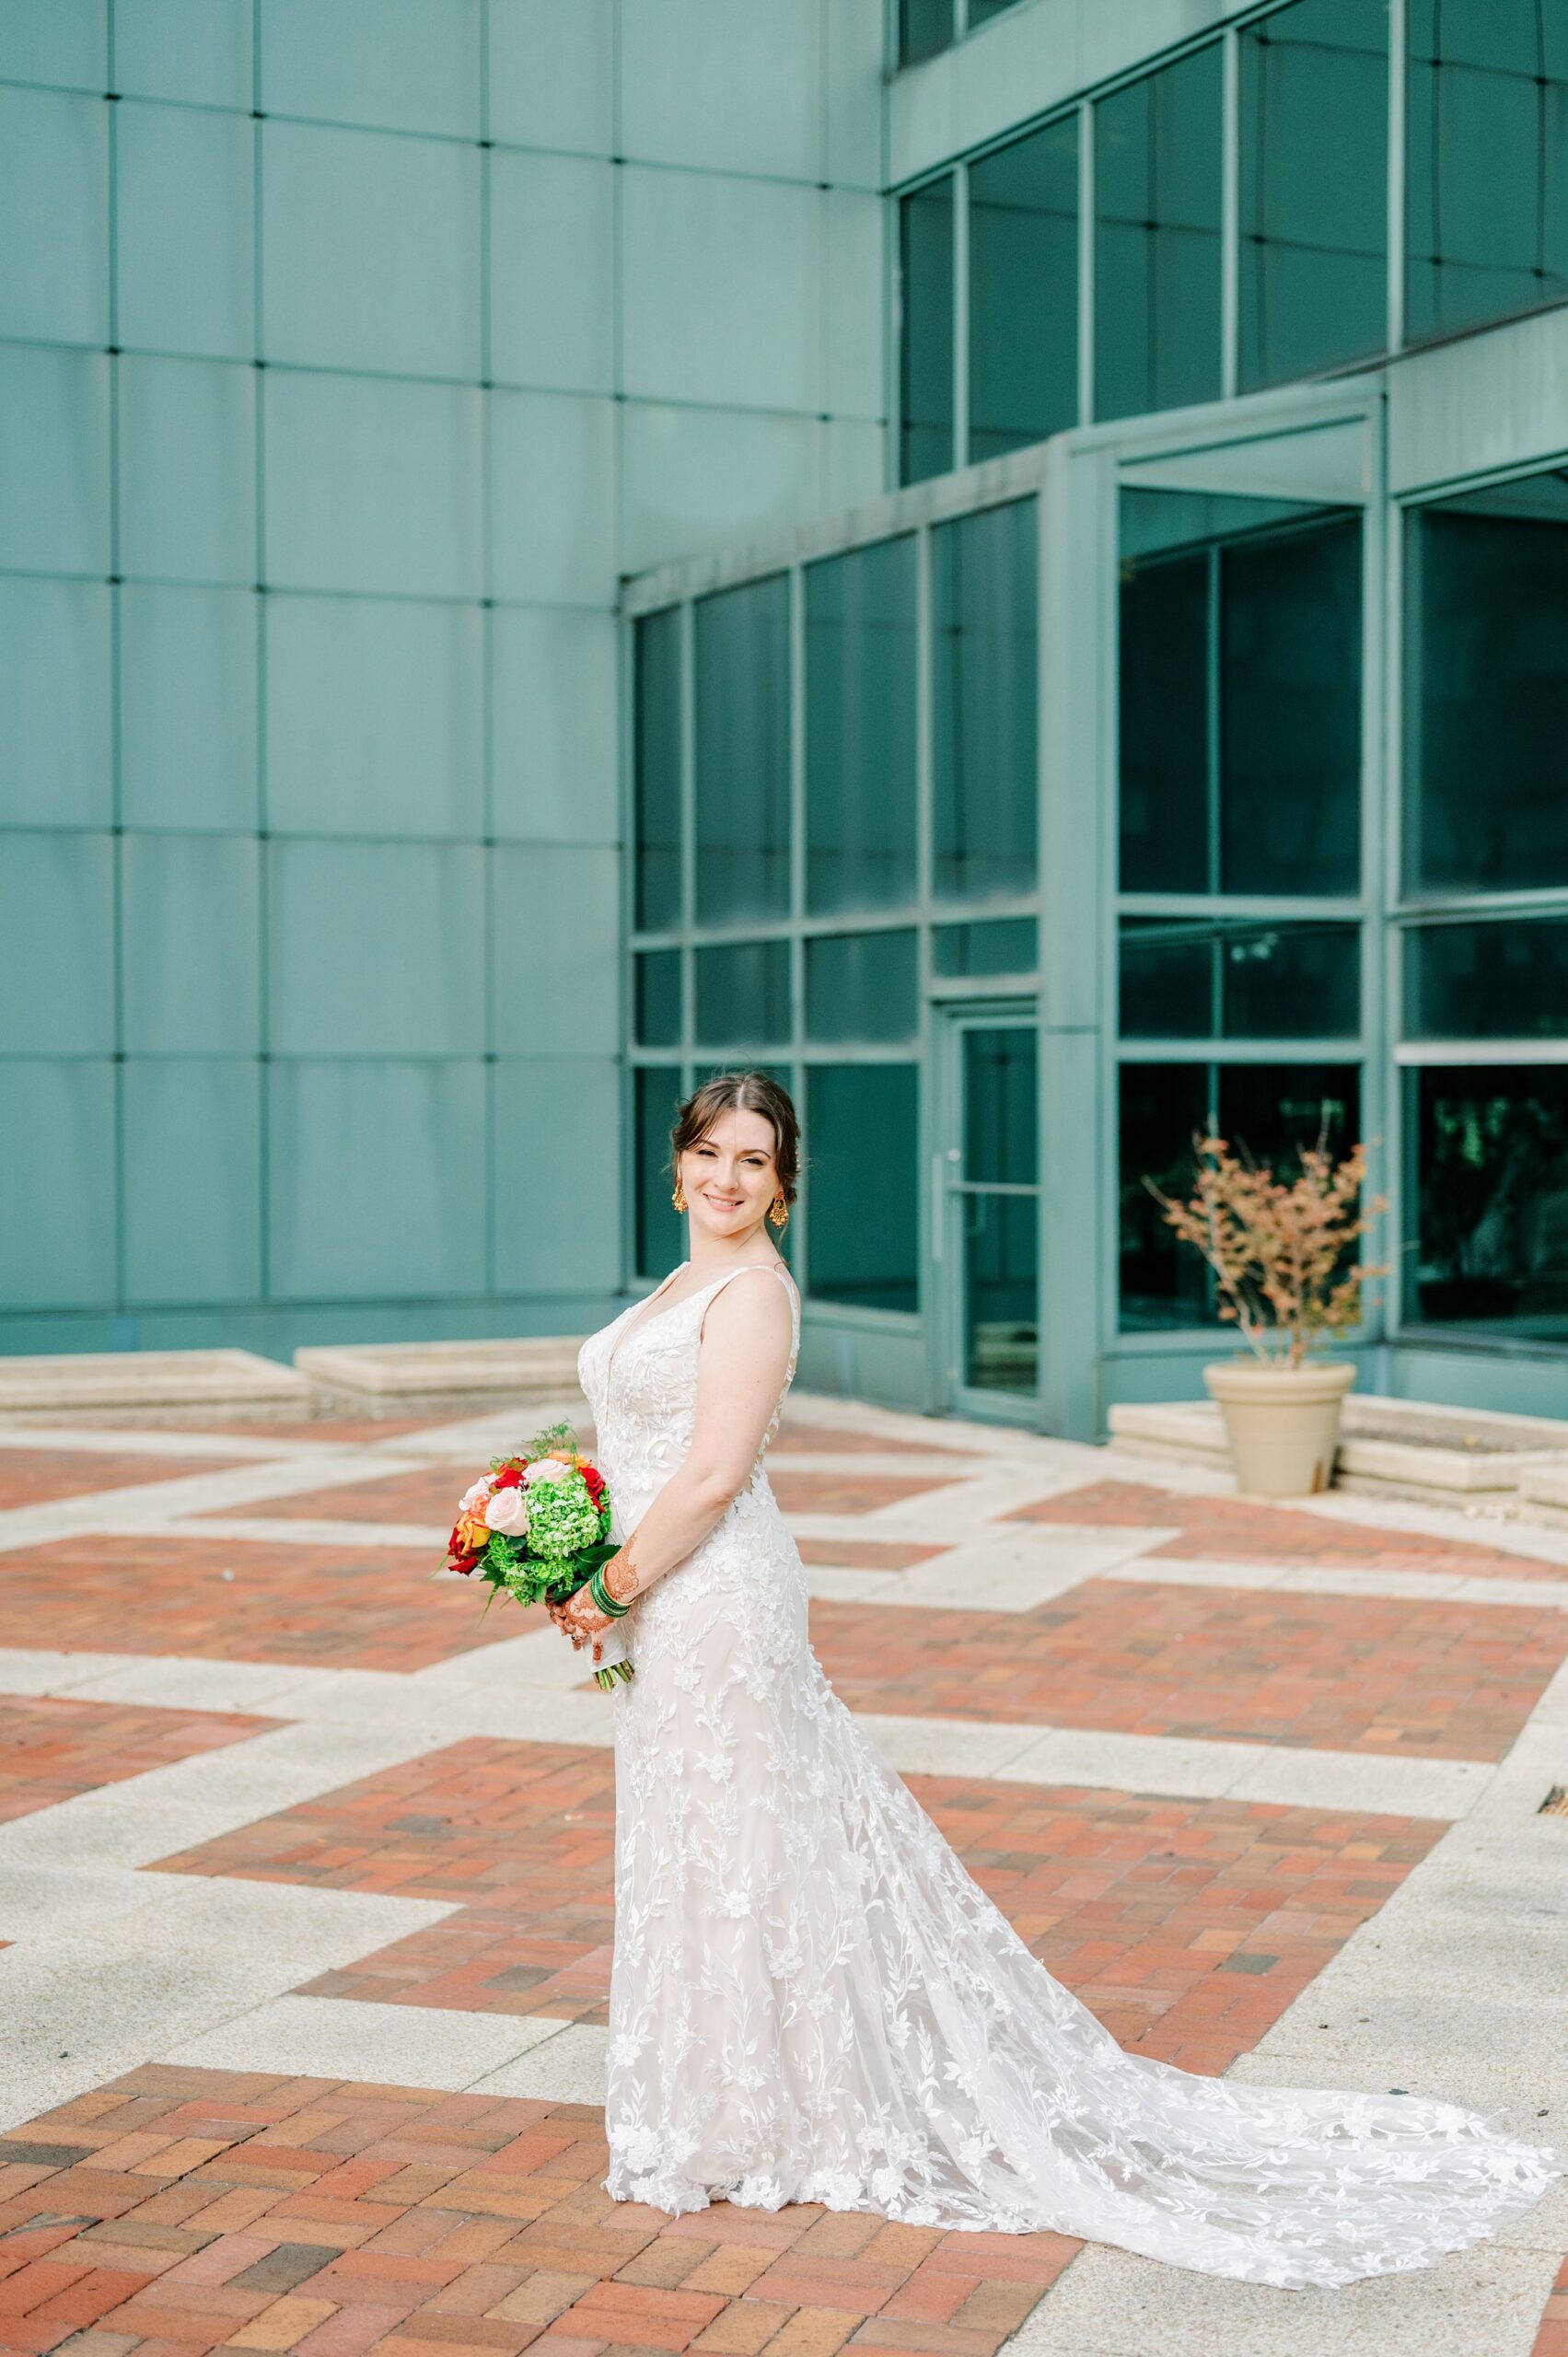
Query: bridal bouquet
{"points": [[537, 1527]]}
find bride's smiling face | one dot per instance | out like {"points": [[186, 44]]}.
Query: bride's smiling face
{"points": [[729, 1177]]}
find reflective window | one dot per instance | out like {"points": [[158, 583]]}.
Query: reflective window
{"points": [[1004, 945], [1241, 696], [1023, 290], [1314, 188], [1001, 1231], [1489, 1198], [742, 749], [656, 991], [863, 1240], [660, 1239], [1001, 1123], [1488, 147], [656, 770], [1502, 979], [925, 27], [985, 659], [860, 727], [1187, 977], [925, 345], [981, 11], [1270, 1110], [1157, 195], [1486, 636], [743, 994], [862, 986]]}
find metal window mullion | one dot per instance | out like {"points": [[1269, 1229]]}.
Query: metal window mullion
{"points": [[688, 833], [961, 315], [797, 812], [1085, 264], [1230, 214], [1399, 151], [1212, 784]]}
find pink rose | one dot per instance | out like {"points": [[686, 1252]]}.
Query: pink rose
{"points": [[508, 1513]]}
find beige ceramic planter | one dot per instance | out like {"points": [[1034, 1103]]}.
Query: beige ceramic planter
{"points": [[1283, 1422]]}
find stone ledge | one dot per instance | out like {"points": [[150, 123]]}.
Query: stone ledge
{"points": [[388, 1377], [83, 1381]]}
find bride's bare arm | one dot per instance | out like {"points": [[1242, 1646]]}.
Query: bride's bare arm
{"points": [[746, 1337]]}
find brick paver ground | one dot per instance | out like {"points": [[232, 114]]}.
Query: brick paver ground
{"points": [[36, 1477], [1553, 2339], [51, 1748]]}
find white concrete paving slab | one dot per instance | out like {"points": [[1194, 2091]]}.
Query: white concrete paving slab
{"points": [[305, 1530], [567, 2068]]}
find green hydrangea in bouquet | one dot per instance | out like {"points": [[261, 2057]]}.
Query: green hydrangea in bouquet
{"points": [[537, 1528]]}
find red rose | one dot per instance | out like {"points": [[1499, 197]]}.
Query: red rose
{"points": [[509, 1478], [594, 1482]]}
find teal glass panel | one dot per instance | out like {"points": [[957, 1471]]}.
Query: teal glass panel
{"points": [[1023, 324], [57, 944], [1001, 1093], [53, 217], [1314, 145], [552, 260], [554, 690], [191, 924], [192, 1163], [743, 994], [188, 661], [1168, 785], [375, 718], [536, 1253], [1486, 637], [57, 1239], [551, 73], [401, 65], [555, 931], [742, 751], [1157, 240], [1002, 1293], [860, 727], [187, 471], [658, 993], [375, 1179], [925, 27], [1186, 978], [197, 49], [1267, 1111], [372, 485], [660, 1232], [57, 710], [1487, 1191], [985, 660], [368, 249], [1004, 945], [981, 11], [1487, 138], [863, 1121], [67, 41], [656, 770], [1502, 979], [184, 195], [376, 949], [552, 477], [53, 460], [862, 986], [926, 332]]}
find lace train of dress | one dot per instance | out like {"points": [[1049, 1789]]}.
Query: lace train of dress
{"points": [[812, 2000]]}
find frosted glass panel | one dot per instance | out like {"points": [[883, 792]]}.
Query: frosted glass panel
{"points": [[184, 49], [192, 1162], [184, 202], [57, 944], [552, 272], [370, 251], [53, 217], [53, 460], [64, 41], [555, 930], [375, 1179], [56, 739], [410, 64], [375, 948], [372, 487], [552, 498], [544, 1243], [190, 912], [375, 718], [188, 707], [57, 1184], [552, 76], [553, 735], [188, 470], [700, 321], [765, 63]]}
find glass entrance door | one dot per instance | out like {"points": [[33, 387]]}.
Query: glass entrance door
{"points": [[988, 1211]]}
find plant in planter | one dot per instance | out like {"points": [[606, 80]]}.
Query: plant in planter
{"points": [[1281, 1251]]}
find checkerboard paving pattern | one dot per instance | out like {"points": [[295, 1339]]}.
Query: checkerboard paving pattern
{"points": [[36, 1477], [51, 1747]]}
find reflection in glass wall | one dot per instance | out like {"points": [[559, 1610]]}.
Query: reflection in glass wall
{"points": [[925, 345], [1489, 1199], [1231, 978], [1488, 147], [860, 727], [1157, 193], [862, 986], [925, 27], [656, 991], [1501, 977], [1486, 637], [743, 994], [1023, 290], [985, 660], [742, 751], [1314, 147], [1001, 1119], [1002, 945], [659, 1239], [656, 770], [863, 1246]]}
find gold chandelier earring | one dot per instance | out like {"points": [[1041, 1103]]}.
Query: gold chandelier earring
{"points": [[778, 1212], [677, 1199]]}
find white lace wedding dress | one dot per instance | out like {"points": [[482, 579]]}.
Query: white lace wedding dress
{"points": [[813, 2001]]}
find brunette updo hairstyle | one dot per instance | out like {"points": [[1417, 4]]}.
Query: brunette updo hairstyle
{"points": [[741, 1092]]}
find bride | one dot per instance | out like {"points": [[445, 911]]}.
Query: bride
{"points": [[811, 2000]]}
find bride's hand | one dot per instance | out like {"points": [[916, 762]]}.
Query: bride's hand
{"points": [[580, 1619]]}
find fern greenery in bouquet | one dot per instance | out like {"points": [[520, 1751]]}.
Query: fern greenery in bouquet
{"points": [[536, 1527]]}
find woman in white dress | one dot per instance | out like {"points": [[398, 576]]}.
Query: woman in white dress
{"points": [[811, 2000]]}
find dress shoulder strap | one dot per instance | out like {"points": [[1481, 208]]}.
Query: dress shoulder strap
{"points": [[777, 1269]]}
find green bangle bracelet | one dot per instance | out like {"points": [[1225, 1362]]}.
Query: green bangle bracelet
{"points": [[603, 1599]]}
